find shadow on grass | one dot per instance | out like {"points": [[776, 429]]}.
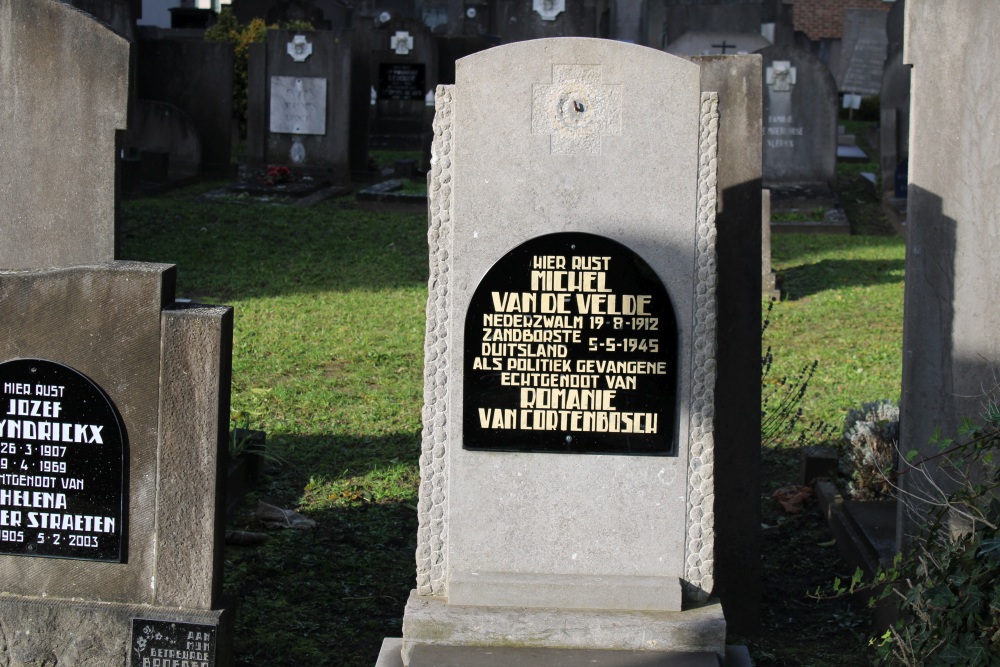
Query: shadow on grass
{"points": [[228, 251], [326, 596], [829, 274]]}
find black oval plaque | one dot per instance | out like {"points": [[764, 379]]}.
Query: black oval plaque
{"points": [[63, 457], [570, 346]]}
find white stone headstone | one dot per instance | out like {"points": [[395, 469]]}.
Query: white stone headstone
{"points": [[575, 519]]}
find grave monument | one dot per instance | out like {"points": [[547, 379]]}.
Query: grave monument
{"points": [[297, 106], [894, 119], [950, 349], [800, 118], [862, 52], [115, 400], [567, 501], [402, 68]]}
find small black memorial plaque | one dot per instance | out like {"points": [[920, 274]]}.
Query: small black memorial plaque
{"points": [[170, 644], [401, 81], [63, 458], [570, 346]]}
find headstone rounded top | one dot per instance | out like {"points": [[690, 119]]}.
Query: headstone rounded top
{"points": [[576, 47]]}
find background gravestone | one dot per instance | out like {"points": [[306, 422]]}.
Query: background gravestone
{"points": [[402, 67], [894, 129], [800, 118], [862, 52], [113, 354], [517, 20], [894, 101], [950, 349], [537, 548], [666, 21], [61, 123], [298, 112], [716, 43], [196, 77]]}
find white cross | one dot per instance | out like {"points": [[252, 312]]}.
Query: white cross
{"points": [[299, 49], [549, 9], [781, 76], [576, 109], [401, 42]]}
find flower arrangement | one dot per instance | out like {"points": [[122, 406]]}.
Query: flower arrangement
{"points": [[276, 174]]}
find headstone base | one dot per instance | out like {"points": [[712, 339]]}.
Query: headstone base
{"points": [[432, 622], [391, 655], [73, 633]]}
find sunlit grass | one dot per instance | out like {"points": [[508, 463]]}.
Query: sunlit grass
{"points": [[842, 304]]}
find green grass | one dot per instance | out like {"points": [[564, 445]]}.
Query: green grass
{"points": [[327, 359], [842, 305]]}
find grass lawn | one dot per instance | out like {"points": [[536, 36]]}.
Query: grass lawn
{"points": [[842, 305], [327, 359]]}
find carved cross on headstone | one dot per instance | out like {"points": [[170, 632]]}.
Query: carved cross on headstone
{"points": [[781, 76], [299, 48], [723, 46], [576, 109], [401, 42], [549, 9]]}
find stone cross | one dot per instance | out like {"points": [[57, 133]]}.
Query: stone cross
{"points": [[549, 9], [299, 48], [401, 42], [576, 109], [781, 76]]}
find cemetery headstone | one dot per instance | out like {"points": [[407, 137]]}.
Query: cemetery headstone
{"points": [[114, 400], [800, 118], [737, 80], [59, 117], [196, 77], [403, 68], [167, 132], [894, 27], [862, 52], [567, 473], [950, 348], [118, 14], [894, 129], [716, 43], [668, 20], [297, 109], [518, 20], [768, 285]]}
